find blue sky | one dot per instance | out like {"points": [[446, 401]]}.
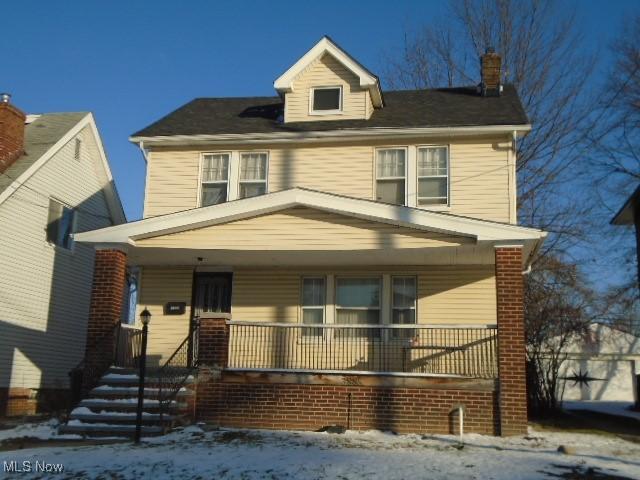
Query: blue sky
{"points": [[132, 62]]}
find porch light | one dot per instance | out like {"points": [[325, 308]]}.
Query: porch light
{"points": [[145, 316]]}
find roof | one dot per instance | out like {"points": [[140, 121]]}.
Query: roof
{"points": [[284, 83], [626, 213], [45, 134], [39, 136], [479, 230], [443, 107]]}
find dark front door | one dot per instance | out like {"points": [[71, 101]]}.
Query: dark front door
{"points": [[212, 293]]}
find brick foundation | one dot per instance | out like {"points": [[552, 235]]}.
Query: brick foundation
{"points": [[511, 342], [31, 401], [311, 407]]}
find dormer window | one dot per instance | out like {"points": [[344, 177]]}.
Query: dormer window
{"points": [[326, 100]]}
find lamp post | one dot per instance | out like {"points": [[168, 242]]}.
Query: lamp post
{"points": [[145, 318]]}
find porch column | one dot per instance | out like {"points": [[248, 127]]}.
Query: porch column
{"points": [[511, 342], [109, 279], [213, 342]]}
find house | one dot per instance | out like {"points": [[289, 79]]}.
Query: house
{"points": [[54, 180], [629, 214], [602, 364], [331, 255]]}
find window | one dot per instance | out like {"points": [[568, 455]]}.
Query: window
{"points": [[253, 174], [313, 301], [60, 224], [78, 149], [215, 178], [131, 297], [403, 305], [326, 99], [433, 176], [390, 175], [357, 303]]}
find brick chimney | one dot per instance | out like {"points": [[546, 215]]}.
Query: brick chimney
{"points": [[11, 132], [490, 73]]}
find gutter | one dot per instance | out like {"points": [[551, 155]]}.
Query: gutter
{"points": [[331, 135]]}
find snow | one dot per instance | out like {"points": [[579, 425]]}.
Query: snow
{"points": [[259, 454], [622, 409], [43, 431], [119, 376]]}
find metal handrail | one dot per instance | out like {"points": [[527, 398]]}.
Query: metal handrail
{"points": [[175, 372]]}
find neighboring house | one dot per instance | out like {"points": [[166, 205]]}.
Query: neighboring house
{"points": [[601, 364], [54, 180], [629, 214], [334, 254]]}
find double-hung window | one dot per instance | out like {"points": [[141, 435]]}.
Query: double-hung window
{"points": [[358, 303], [253, 174], [215, 178], [433, 176], [60, 224], [403, 305], [391, 175], [313, 304]]}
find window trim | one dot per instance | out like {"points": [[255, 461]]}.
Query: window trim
{"points": [[201, 174], [435, 206], [339, 111], [74, 227], [266, 172], [303, 307], [406, 172]]}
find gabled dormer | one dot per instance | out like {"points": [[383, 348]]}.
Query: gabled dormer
{"points": [[328, 84]]}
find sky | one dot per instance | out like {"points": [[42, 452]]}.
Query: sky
{"points": [[132, 62]]}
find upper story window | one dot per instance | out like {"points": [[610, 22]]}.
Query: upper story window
{"points": [[253, 174], [326, 100], [215, 178], [60, 224], [391, 174], [433, 176]]}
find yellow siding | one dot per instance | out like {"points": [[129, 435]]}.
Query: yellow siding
{"points": [[479, 174], [326, 72], [159, 286], [302, 228]]}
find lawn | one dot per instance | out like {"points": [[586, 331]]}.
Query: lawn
{"points": [[258, 454]]}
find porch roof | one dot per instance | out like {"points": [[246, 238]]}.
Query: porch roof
{"points": [[469, 230]]}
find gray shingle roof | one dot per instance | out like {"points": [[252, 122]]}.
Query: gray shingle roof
{"points": [[39, 136], [446, 107]]}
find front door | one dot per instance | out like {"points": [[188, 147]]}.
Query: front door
{"points": [[212, 293]]}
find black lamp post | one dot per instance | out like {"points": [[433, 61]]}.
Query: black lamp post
{"points": [[145, 318]]}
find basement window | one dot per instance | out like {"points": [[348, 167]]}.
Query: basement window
{"points": [[326, 100]]}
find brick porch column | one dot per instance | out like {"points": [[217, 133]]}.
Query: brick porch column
{"points": [[213, 342], [109, 279], [511, 342]]}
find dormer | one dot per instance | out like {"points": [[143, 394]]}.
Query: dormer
{"points": [[328, 84]]}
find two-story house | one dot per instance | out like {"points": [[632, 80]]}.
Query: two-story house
{"points": [[335, 254], [54, 180]]}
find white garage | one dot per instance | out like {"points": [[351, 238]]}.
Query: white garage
{"points": [[602, 365]]}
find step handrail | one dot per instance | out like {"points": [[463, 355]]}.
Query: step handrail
{"points": [[175, 372]]}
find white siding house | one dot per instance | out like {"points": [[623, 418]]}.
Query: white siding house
{"points": [[61, 180]]}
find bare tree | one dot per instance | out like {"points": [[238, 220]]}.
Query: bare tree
{"points": [[559, 306], [543, 58]]}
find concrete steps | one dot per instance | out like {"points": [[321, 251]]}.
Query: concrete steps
{"points": [[110, 408]]}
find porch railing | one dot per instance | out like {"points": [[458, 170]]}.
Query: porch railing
{"points": [[466, 351]]}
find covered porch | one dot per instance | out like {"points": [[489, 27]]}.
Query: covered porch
{"points": [[306, 288]]}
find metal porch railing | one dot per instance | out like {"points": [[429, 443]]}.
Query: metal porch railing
{"points": [[465, 351]]}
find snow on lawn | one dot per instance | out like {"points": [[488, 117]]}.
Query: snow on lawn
{"points": [[623, 409], [42, 431], [260, 454]]}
